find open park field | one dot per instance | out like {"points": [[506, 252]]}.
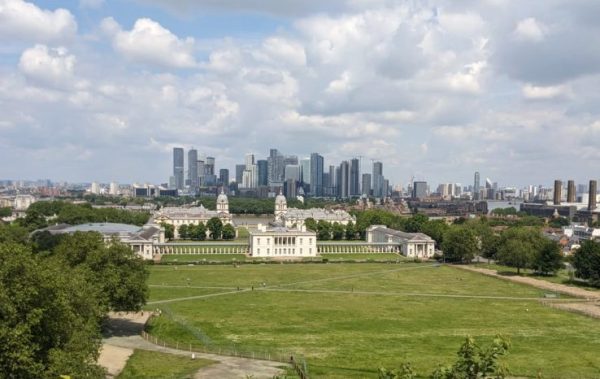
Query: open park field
{"points": [[347, 320]]}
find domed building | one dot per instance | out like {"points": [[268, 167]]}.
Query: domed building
{"points": [[222, 203], [280, 208]]}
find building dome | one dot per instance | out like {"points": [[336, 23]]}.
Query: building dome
{"points": [[222, 202], [280, 207]]}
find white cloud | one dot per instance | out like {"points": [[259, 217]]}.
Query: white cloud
{"points": [[150, 42], [53, 67], [539, 92], [468, 80], [530, 29], [23, 21]]}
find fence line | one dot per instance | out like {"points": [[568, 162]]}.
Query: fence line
{"points": [[280, 356]]}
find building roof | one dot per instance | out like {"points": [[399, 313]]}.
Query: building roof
{"points": [[124, 231], [319, 214], [193, 212], [401, 234]]}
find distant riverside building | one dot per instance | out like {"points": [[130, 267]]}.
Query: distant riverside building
{"points": [[296, 218], [224, 177], [476, 186], [280, 242], [354, 185], [178, 167], [239, 173], [250, 175], [557, 196], [377, 177], [571, 196], [193, 169], [178, 216], [316, 174], [275, 168], [419, 190], [95, 188], [366, 184], [141, 239], [113, 189], [412, 245], [263, 172], [305, 170], [292, 172], [343, 179]]}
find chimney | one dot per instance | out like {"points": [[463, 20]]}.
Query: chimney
{"points": [[557, 192], [592, 195], [571, 191]]}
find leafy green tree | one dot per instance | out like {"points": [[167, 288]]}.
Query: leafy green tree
{"points": [[49, 318], [435, 229], [475, 362], [310, 224], [13, 233], [559, 222], [459, 245], [337, 231], [5, 212], [515, 253], [415, 223], [215, 225], [228, 232], [518, 247], [350, 231], [114, 268], [586, 261], [197, 232], [549, 259], [183, 231], [169, 230], [323, 230]]}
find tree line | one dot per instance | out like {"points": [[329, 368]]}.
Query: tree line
{"points": [[59, 212], [55, 294], [214, 228]]}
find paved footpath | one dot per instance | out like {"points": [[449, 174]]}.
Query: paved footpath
{"points": [[590, 307], [124, 337]]}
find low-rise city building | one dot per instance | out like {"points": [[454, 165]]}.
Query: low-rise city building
{"points": [[412, 245], [296, 218], [282, 242]]}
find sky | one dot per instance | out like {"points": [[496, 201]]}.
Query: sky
{"points": [[101, 90]]}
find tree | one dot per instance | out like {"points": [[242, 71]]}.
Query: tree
{"points": [[197, 232], [459, 245], [435, 229], [415, 223], [5, 212], [405, 371], [548, 260], [515, 253], [169, 230], [518, 247], [350, 231], [183, 232], [586, 261], [559, 222], [215, 225], [228, 232], [475, 362], [310, 224], [49, 323], [323, 230], [337, 231], [114, 268]]}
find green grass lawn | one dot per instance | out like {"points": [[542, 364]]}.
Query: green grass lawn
{"points": [[149, 364], [203, 258], [363, 256], [349, 320], [561, 277]]}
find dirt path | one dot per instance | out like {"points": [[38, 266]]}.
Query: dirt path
{"points": [[590, 307], [124, 337]]}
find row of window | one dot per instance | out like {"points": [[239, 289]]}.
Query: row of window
{"points": [[284, 251], [283, 240]]}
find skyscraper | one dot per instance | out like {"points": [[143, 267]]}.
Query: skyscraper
{"points": [[366, 184], [419, 190], [263, 172], [332, 191], [377, 179], [239, 173], [224, 177], [305, 170], [592, 189], [250, 175], [193, 169], [292, 172], [571, 191], [557, 192], [316, 174], [354, 178], [344, 180], [275, 168], [178, 167], [476, 186]]}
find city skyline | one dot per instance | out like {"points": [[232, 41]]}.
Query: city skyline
{"points": [[435, 89]]}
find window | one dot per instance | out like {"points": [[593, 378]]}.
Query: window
{"points": [[257, 251], [300, 241], [267, 251], [300, 251], [258, 241]]}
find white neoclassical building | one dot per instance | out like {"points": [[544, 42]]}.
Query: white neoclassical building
{"points": [[295, 218], [412, 245], [178, 216], [282, 242]]}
